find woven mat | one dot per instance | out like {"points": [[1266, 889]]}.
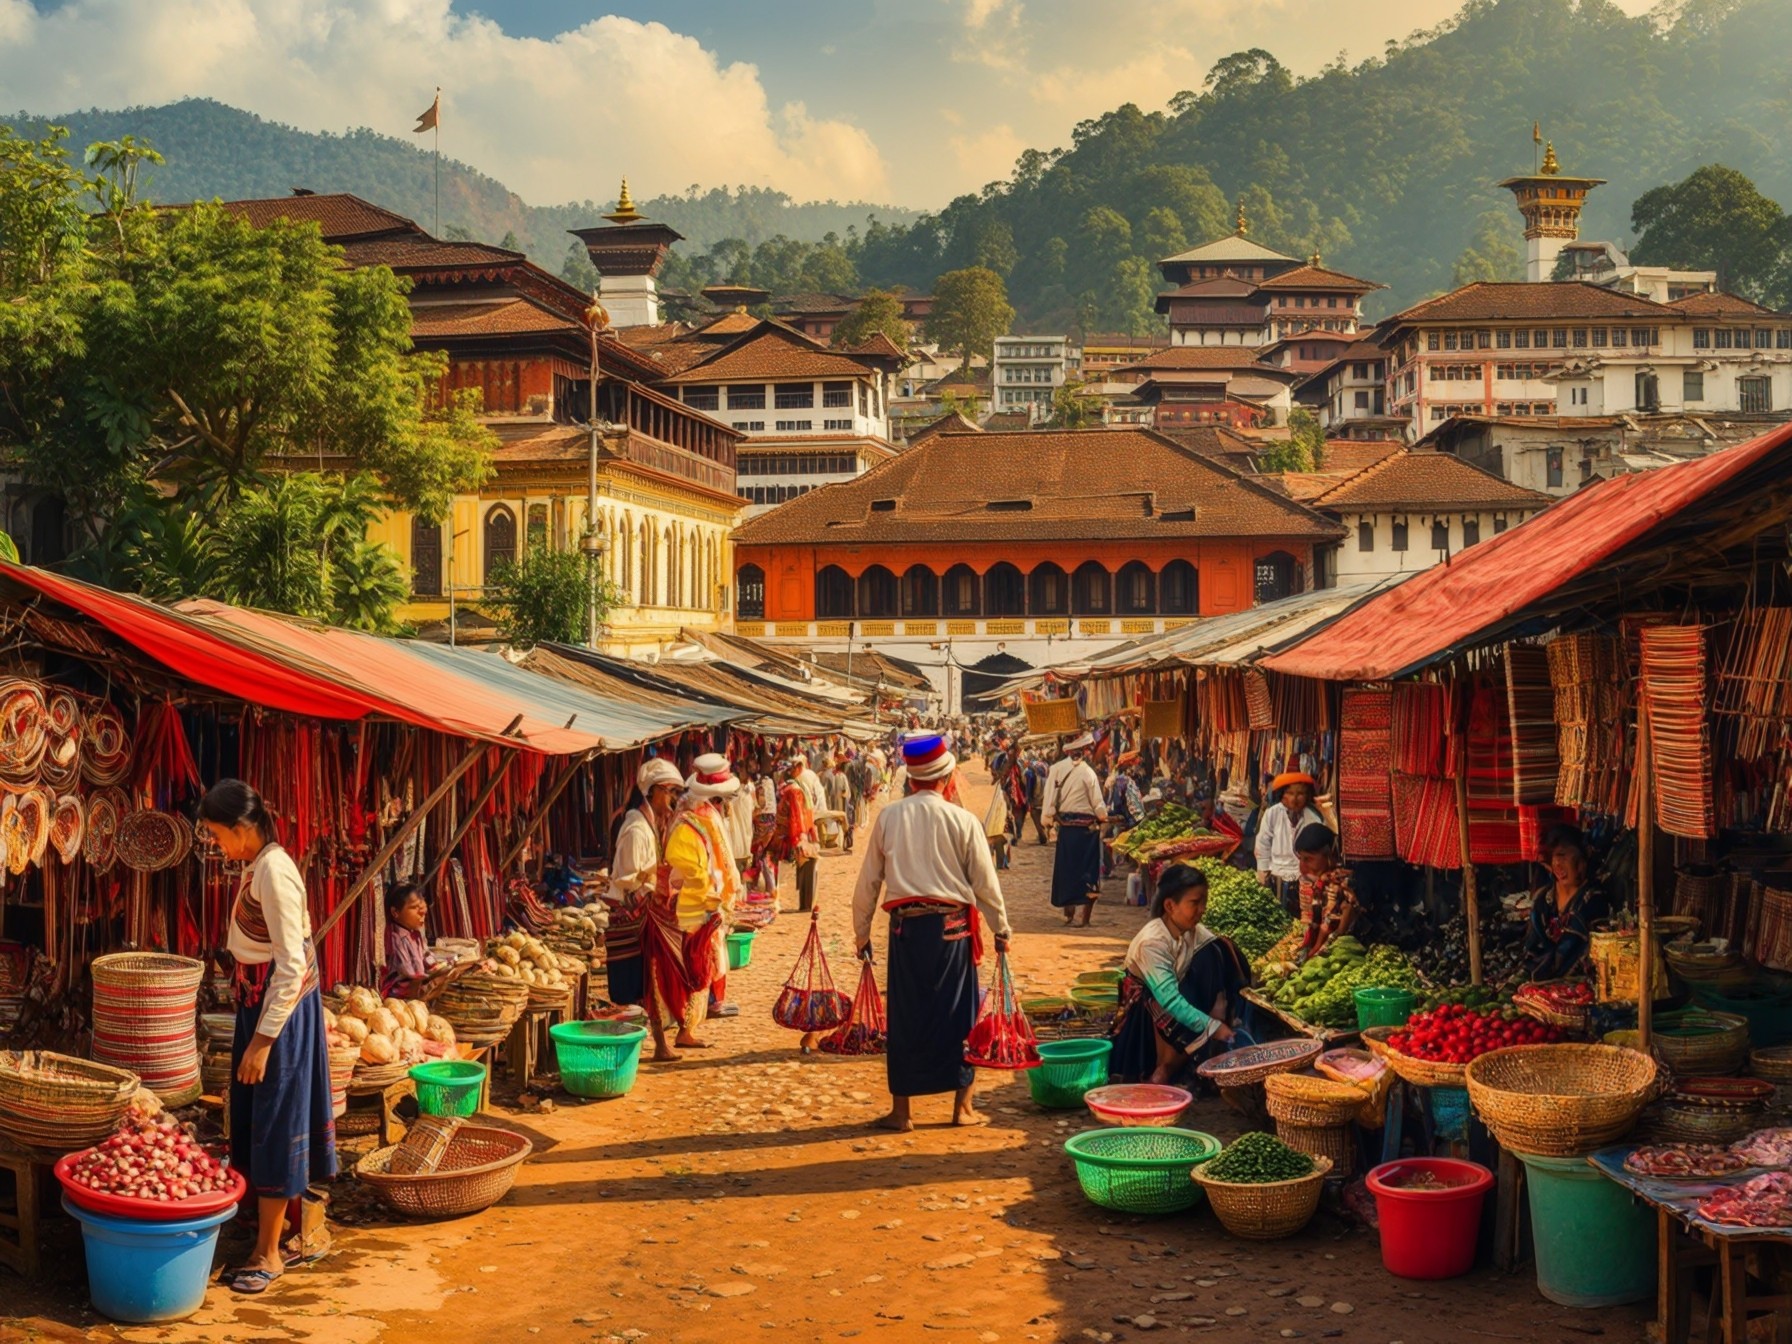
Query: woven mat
{"points": [[1365, 772]]}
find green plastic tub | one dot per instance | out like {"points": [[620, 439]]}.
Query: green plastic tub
{"points": [[1595, 1243], [1142, 1169], [1067, 1069], [448, 1087], [597, 1059], [740, 949], [1383, 1007]]}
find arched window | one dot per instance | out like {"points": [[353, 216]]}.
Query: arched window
{"points": [[537, 530], [644, 566], [1179, 589], [426, 558], [665, 578], [1091, 593], [751, 599], [961, 591], [500, 540], [833, 594], [625, 542], [920, 592], [1278, 576], [1004, 591], [1048, 591], [1136, 593], [877, 594]]}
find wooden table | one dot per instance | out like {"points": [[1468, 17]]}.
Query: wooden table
{"points": [[1688, 1243], [529, 1042], [1330, 1035], [20, 1238]]}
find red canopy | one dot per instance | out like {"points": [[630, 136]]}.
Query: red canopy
{"points": [[1431, 613]]}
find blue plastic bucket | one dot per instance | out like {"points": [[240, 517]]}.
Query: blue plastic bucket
{"points": [[141, 1271]]}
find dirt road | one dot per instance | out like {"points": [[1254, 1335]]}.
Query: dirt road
{"points": [[740, 1194]]}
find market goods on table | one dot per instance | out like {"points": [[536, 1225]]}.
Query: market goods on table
{"points": [[1443, 959], [1175, 832], [520, 956], [1561, 1003], [1243, 909], [1766, 1147], [1254, 1063], [1684, 1161], [149, 1160], [390, 1033], [1257, 1158], [1762, 1201], [1455, 1035], [1322, 990]]}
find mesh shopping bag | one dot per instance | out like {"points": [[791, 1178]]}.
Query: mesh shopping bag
{"points": [[863, 1032], [1001, 1038], [809, 1001]]}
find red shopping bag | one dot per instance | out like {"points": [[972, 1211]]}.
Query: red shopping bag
{"points": [[1002, 1038], [809, 1001]]}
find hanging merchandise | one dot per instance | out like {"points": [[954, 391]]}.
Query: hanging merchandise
{"points": [[24, 731], [1365, 779], [68, 825], [106, 747], [1585, 682], [31, 810], [1675, 697], [1002, 1037], [809, 1001], [105, 810], [864, 1032], [1421, 721], [1492, 819], [1530, 709], [1259, 706], [149, 841]]}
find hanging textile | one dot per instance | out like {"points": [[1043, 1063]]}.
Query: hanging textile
{"points": [[1365, 772], [1492, 819], [1421, 720], [1530, 708], [1585, 683], [1676, 698]]}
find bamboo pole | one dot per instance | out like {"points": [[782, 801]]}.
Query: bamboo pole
{"points": [[473, 812], [541, 815], [1471, 904], [1645, 881], [404, 832]]}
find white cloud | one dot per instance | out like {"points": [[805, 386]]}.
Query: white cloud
{"points": [[553, 120]]}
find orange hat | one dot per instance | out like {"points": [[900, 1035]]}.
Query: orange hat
{"points": [[1288, 777]]}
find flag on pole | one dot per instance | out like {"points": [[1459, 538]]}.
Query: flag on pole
{"points": [[430, 117], [1536, 126]]}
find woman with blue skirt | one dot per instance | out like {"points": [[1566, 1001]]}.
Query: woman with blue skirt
{"points": [[282, 1130]]}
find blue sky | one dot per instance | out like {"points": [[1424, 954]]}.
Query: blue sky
{"points": [[906, 102]]}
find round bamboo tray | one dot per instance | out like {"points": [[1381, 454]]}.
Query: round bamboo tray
{"points": [[1268, 1211], [1561, 1100], [476, 1172], [1335, 1143], [1300, 1099], [377, 1077], [1573, 1019], [1418, 1072], [1773, 1063], [1254, 1063]]}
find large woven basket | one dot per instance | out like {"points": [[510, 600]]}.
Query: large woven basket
{"points": [[1301, 1099], [1418, 1072], [145, 1019], [1335, 1143], [1254, 1063], [1774, 1063], [1269, 1211], [1720, 1051], [476, 1172], [57, 1103], [1561, 1100], [1568, 1019]]}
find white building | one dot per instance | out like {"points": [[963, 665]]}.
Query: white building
{"points": [[1412, 510], [1028, 370]]}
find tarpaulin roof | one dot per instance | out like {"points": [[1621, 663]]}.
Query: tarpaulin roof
{"points": [[1521, 574]]}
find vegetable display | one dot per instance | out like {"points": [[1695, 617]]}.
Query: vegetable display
{"points": [[1242, 908], [151, 1158], [396, 1031], [1455, 1035], [1322, 991], [1172, 822], [518, 956], [1258, 1159]]}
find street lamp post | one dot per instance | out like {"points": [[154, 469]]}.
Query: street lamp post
{"points": [[592, 543]]}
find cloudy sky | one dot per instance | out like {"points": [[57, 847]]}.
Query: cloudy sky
{"points": [[907, 102]]}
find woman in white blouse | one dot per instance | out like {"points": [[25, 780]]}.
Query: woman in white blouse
{"points": [[282, 1132]]}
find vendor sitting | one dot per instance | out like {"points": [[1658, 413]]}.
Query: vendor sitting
{"points": [[1182, 982], [1328, 902], [1564, 910], [408, 958]]}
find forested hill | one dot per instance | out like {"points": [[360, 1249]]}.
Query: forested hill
{"points": [[215, 150], [1387, 166]]}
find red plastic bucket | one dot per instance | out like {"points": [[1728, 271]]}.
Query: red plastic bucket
{"points": [[1429, 1232]]}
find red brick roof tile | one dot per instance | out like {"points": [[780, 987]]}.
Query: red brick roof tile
{"points": [[508, 318], [1722, 305], [338, 214], [1426, 480], [1492, 301], [422, 253], [1319, 277], [1183, 357], [774, 351]]}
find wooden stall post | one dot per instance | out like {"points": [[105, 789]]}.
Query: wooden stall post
{"points": [[466, 822], [1645, 882], [1471, 905], [552, 797]]}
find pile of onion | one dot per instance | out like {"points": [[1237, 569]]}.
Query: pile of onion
{"points": [[154, 1159]]}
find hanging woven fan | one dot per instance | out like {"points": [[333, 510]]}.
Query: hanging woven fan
{"points": [[33, 810], [100, 843], [105, 747], [13, 835], [151, 841], [68, 824], [22, 730], [61, 765]]}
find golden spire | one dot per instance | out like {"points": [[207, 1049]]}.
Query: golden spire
{"points": [[625, 212], [1314, 262], [1244, 226], [1550, 166]]}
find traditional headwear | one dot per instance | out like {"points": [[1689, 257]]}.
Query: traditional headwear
{"points": [[711, 778], [1288, 777], [654, 772], [926, 757], [1082, 743]]}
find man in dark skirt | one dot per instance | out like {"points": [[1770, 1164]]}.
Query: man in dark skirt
{"points": [[1074, 803], [932, 863]]}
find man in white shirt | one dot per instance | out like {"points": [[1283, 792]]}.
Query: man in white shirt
{"points": [[1278, 867], [634, 873], [933, 866], [1074, 803]]}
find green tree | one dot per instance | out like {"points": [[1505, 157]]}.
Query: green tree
{"points": [[578, 271], [1074, 407], [878, 310], [1131, 299], [1715, 219], [1302, 450], [1491, 254], [970, 309], [1161, 234], [543, 599]]}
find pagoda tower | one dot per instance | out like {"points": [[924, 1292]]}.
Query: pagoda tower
{"points": [[1551, 204]]}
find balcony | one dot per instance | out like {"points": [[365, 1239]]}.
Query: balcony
{"points": [[991, 627]]}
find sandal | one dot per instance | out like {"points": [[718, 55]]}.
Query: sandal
{"points": [[293, 1252], [250, 1282]]}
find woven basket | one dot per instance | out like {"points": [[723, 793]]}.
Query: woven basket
{"points": [[1418, 1072], [1773, 1064], [546, 1000], [1336, 1143], [58, 1103], [1684, 1121], [1300, 1099], [369, 1078], [1561, 1100], [1254, 1063], [1699, 964], [425, 1145], [145, 1019], [1568, 1019], [1708, 1053], [1269, 1211], [476, 1172]]}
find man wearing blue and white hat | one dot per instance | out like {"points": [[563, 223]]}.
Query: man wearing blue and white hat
{"points": [[933, 866]]}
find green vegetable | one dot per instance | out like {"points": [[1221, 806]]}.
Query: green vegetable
{"points": [[1257, 1159], [1242, 908], [1323, 991]]}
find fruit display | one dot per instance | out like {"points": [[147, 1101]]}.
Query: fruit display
{"points": [[151, 1157], [1258, 1159], [1322, 991], [1461, 996], [1452, 1034], [518, 956], [393, 1031], [1242, 908]]}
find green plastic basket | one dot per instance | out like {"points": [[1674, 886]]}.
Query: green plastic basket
{"points": [[597, 1059], [448, 1087], [740, 949], [1378, 1006], [1067, 1069], [1143, 1169]]}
